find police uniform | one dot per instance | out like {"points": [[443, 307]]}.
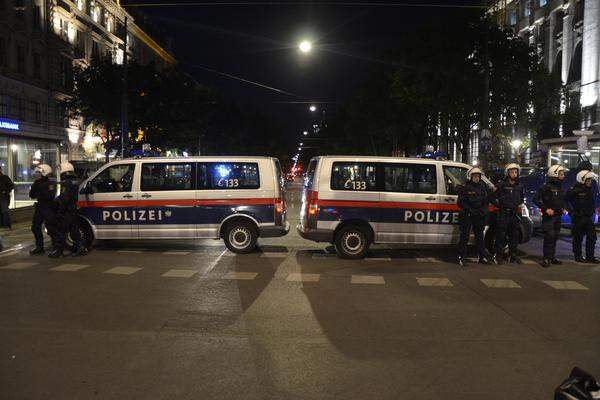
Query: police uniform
{"points": [[582, 208], [551, 197], [508, 197], [473, 200], [43, 191]]}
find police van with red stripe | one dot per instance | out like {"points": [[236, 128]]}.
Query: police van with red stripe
{"points": [[238, 199], [355, 201]]}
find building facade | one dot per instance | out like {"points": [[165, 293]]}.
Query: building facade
{"points": [[40, 43], [566, 34]]}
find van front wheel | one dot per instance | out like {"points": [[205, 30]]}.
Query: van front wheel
{"points": [[352, 242], [240, 237]]}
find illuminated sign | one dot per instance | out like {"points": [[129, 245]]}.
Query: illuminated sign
{"points": [[8, 124]]}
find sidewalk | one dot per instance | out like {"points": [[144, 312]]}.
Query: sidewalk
{"points": [[18, 237]]}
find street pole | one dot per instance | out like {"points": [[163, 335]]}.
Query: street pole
{"points": [[124, 96]]}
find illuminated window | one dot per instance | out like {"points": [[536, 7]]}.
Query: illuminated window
{"points": [[543, 3], [527, 8]]}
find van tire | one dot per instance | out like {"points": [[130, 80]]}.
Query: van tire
{"points": [[352, 242], [240, 237]]}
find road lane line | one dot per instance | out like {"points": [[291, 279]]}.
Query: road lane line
{"points": [[122, 270], [367, 280], [240, 276], [130, 251], [297, 277], [501, 283], [69, 267], [566, 285], [179, 273], [19, 266], [441, 282], [214, 263], [378, 259], [176, 253]]}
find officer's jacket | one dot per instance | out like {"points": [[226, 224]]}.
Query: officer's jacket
{"points": [[474, 198], [581, 201], [44, 191], [551, 196], [69, 193], [508, 196]]}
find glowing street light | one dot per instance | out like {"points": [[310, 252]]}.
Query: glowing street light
{"points": [[516, 144], [313, 108], [299, 148], [305, 46], [305, 133]]}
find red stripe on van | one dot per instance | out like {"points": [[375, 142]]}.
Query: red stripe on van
{"points": [[180, 203], [389, 204]]}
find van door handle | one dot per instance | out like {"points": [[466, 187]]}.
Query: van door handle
{"points": [[127, 196], [430, 198], [449, 199], [146, 195]]}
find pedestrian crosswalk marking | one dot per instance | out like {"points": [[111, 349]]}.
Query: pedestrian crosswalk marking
{"points": [[367, 280], [424, 260], [19, 265], [122, 270], [129, 251], [501, 283], [240, 276], [176, 253], [529, 261], [323, 255], [179, 273], [442, 282], [275, 254], [298, 277], [566, 285], [378, 259], [69, 267]]}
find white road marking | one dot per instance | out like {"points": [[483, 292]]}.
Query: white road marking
{"points": [[179, 273], [122, 270], [378, 259], [240, 276], [297, 277], [19, 265], [324, 255], [423, 260], [130, 251], [275, 254], [501, 283], [69, 267], [443, 282], [176, 253], [529, 261], [566, 285], [214, 263], [367, 280]]}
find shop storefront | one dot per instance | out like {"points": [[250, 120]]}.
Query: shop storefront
{"points": [[20, 153]]}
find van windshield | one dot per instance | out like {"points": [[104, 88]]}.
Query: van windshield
{"points": [[310, 173]]}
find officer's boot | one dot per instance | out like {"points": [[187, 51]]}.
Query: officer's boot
{"points": [[56, 253], [485, 261], [79, 251], [546, 263], [579, 258], [555, 261], [37, 250], [592, 260], [514, 260], [497, 259], [462, 261]]}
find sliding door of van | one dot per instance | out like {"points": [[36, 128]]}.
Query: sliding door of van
{"points": [[166, 205]]}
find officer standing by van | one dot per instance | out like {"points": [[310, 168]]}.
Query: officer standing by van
{"points": [[68, 220], [550, 198], [509, 195], [582, 205], [473, 200], [43, 191]]}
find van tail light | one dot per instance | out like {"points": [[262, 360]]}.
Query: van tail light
{"points": [[313, 203], [279, 210]]}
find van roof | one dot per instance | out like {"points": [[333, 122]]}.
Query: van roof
{"points": [[385, 158], [193, 158]]}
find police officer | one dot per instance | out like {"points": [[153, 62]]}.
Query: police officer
{"points": [[508, 197], [43, 191], [68, 220], [582, 206], [473, 200], [550, 198]]}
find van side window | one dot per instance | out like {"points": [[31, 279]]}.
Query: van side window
{"points": [[454, 177], [114, 179], [166, 176], [234, 175], [309, 177], [202, 178], [354, 176], [410, 178]]}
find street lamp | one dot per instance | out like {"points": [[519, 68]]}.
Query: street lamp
{"points": [[305, 133], [313, 108], [305, 46], [516, 144], [299, 148]]}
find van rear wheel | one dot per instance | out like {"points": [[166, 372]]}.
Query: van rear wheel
{"points": [[352, 242], [240, 237]]}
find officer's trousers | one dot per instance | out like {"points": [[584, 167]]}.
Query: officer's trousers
{"points": [[507, 226], [469, 222], [583, 226], [551, 227]]}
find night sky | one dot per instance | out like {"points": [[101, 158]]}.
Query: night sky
{"points": [[259, 42]]}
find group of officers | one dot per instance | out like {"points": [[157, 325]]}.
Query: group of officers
{"points": [[508, 195], [58, 213]]}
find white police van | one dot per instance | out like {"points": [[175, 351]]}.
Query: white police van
{"points": [[237, 199], [355, 201]]}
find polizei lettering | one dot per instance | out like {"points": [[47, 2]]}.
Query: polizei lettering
{"points": [[431, 217], [133, 215]]}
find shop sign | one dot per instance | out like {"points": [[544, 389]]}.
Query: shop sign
{"points": [[8, 124]]}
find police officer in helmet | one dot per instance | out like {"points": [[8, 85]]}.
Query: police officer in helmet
{"points": [[68, 220], [581, 201], [550, 198], [509, 195], [473, 200], [43, 191]]}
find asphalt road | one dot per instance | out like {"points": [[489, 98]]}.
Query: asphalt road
{"points": [[188, 320]]}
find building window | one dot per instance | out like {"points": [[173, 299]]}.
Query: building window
{"points": [[3, 105], [80, 5], [66, 73], [37, 66], [543, 2], [36, 16], [36, 112], [3, 52], [22, 110], [95, 50], [513, 17], [527, 8], [20, 59], [20, 9]]}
